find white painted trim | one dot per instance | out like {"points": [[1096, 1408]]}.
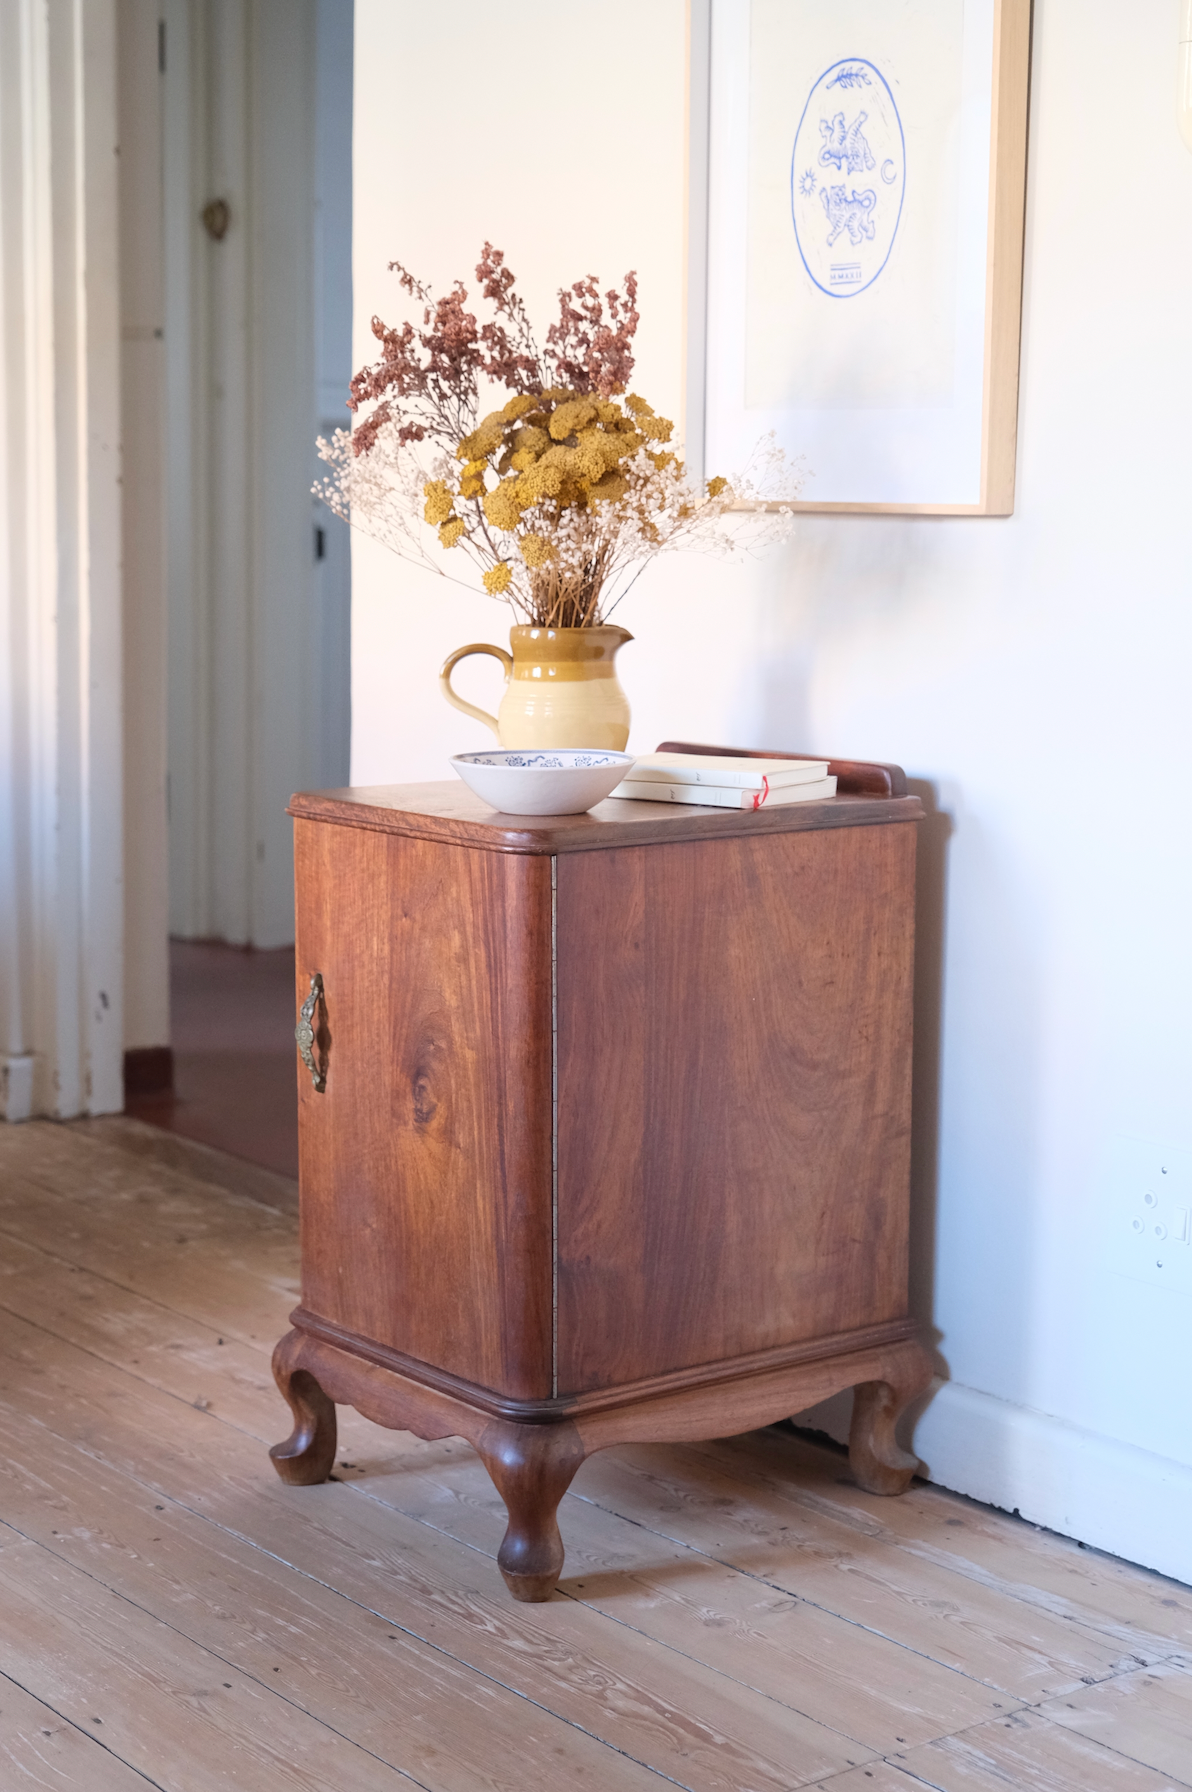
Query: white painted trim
{"points": [[16, 1087], [1111, 1495], [61, 822]]}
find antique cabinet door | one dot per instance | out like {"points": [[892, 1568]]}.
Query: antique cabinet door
{"points": [[734, 1033], [426, 1161]]}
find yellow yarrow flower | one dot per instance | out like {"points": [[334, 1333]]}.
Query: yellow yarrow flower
{"points": [[716, 486], [570, 417], [483, 440], [501, 506], [536, 550], [543, 480], [587, 459], [439, 502], [451, 531], [658, 429], [529, 440], [612, 486], [471, 480], [497, 579]]}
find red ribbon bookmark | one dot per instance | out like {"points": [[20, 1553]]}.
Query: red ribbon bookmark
{"points": [[759, 796]]}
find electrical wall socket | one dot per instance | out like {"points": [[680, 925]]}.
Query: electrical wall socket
{"points": [[1148, 1213]]}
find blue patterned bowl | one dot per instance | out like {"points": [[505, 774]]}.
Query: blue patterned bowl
{"points": [[546, 781]]}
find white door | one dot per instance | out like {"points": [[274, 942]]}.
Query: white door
{"points": [[258, 299]]}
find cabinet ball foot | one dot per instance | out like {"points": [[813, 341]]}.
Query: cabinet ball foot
{"points": [[531, 1564]]}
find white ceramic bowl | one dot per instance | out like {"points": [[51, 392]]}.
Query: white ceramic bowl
{"points": [[546, 781]]}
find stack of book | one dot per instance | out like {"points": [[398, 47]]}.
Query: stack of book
{"points": [[726, 783]]}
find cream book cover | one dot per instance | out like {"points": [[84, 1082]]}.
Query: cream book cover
{"points": [[722, 796], [728, 774]]}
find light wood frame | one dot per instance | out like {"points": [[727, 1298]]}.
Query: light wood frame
{"points": [[1004, 264]]}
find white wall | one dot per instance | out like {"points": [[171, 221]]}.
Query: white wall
{"points": [[1032, 672], [429, 188]]}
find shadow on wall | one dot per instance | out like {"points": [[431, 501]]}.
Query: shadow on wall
{"points": [[931, 891]]}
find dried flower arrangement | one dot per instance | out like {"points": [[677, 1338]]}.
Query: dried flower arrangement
{"points": [[561, 496]]}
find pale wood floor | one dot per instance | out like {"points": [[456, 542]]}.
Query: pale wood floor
{"points": [[733, 1615]]}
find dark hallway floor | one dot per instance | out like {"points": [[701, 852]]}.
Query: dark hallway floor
{"points": [[235, 1075]]}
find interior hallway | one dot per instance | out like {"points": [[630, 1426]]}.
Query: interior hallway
{"points": [[235, 1066], [732, 1615]]}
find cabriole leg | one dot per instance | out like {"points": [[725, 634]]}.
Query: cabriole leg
{"points": [[308, 1453], [878, 1462], [531, 1468]]}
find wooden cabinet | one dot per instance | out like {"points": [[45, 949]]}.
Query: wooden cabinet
{"points": [[613, 1138]]}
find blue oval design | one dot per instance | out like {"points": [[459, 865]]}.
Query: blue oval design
{"points": [[856, 130]]}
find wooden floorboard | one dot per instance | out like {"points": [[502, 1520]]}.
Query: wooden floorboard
{"points": [[995, 1639], [1147, 1716], [40, 1751], [732, 1616], [324, 1628], [1023, 1753], [1051, 1572], [1030, 1754]]}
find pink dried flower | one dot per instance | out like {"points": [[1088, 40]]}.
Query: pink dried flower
{"points": [[589, 354]]}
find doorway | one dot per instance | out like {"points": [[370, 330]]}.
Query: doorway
{"points": [[256, 183], [257, 160]]}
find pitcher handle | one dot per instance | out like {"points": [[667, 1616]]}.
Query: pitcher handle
{"points": [[449, 665]]}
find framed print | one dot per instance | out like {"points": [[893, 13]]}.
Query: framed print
{"points": [[857, 192]]}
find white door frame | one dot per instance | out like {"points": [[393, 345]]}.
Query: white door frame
{"points": [[61, 803]]}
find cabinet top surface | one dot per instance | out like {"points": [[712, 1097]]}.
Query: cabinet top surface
{"points": [[450, 813]]}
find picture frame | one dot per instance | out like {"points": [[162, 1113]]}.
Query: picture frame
{"points": [[855, 246]]}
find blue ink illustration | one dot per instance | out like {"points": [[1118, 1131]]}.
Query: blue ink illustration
{"points": [[825, 211], [850, 77], [851, 214], [848, 149]]}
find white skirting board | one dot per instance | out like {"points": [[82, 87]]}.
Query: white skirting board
{"points": [[1110, 1495]]}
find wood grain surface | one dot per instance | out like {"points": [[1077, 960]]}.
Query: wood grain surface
{"points": [[426, 1163], [734, 1032], [736, 1615], [451, 814]]}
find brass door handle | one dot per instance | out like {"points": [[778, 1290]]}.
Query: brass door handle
{"points": [[307, 1037]]}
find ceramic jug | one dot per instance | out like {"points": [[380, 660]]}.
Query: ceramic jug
{"points": [[561, 688]]}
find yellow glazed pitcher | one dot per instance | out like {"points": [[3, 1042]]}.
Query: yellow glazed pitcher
{"points": [[561, 688]]}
